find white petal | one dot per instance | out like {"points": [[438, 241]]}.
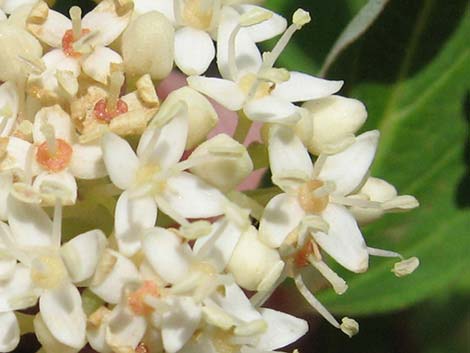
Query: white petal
{"points": [[167, 255], [7, 265], [132, 218], [17, 292], [82, 254], [192, 198], [247, 55], [283, 329], [236, 303], [179, 323], [344, 241], [97, 65], [194, 50], [223, 91], [302, 87], [87, 161], [120, 160], [52, 30], [6, 182], [266, 29], [287, 154], [271, 109], [281, 216], [63, 182], [17, 154], [349, 167], [104, 19], [96, 335], [169, 147], [227, 236], [11, 5], [48, 341], [114, 272], [60, 121], [125, 329], [10, 332], [29, 224], [61, 310], [8, 101]]}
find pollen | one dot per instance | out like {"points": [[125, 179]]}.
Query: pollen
{"points": [[309, 200], [57, 161], [136, 299]]}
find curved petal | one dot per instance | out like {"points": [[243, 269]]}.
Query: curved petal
{"points": [[6, 182], [349, 167], [113, 273], [281, 216], [132, 218], [169, 146], [58, 119], [9, 106], [10, 332], [166, 254], [29, 224], [175, 334], [271, 109], [18, 292], [194, 50], [105, 19], [302, 87], [223, 91], [125, 329], [87, 161], [283, 329], [192, 198], [120, 160], [97, 65], [344, 241], [265, 30], [287, 154], [82, 254], [52, 29], [61, 311], [50, 183], [247, 55], [17, 155]]}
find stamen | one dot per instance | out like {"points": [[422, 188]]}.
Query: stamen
{"points": [[314, 301], [216, 316], [232, 65], [326, 189], [274, 75], [318, 165], [349, 326], [271, 277], [57, 223], [76, 17], [49, 133], [260, 297], [196, 230], [383, 253], [339, 284], [116, 82], [251, 328], [170, 211], [349, 201], [405, 267], [254, 16]]}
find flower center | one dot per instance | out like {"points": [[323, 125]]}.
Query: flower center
{"points": [[310, 198], [48, 271], [198, 13], [54, 159], [263, 88], [68, 41], [136, 300], [301, 258], [104, 114]]}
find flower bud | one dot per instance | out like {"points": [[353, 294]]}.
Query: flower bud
{"points": [[227, 162], [335, 120], [16, 43], [203, 117], [252, 261], [147, 46]]}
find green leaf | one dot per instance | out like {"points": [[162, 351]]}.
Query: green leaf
{"points": [[412, 71]]}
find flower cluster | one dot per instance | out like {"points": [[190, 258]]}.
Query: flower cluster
{"points": [[190, 260]]}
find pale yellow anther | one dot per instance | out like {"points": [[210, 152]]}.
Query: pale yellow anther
{"points": [[275, 75], [349, 326], [146, 90], [301, 18], [254, 16], [76, 17], [405, 267], [48, 271]]}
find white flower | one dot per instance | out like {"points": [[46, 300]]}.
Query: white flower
{"points": [[251, 83]]}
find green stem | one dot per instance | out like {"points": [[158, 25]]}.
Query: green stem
{"points": [[243, 127]]}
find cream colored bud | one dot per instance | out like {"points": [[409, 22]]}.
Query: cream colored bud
{"points": [[252, 260], [405, 267], [147, 46], [227, 162], [335, 120], [202, 118], [15, 43]]}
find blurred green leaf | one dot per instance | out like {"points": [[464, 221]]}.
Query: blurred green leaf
{"points": [[412, 71]]}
